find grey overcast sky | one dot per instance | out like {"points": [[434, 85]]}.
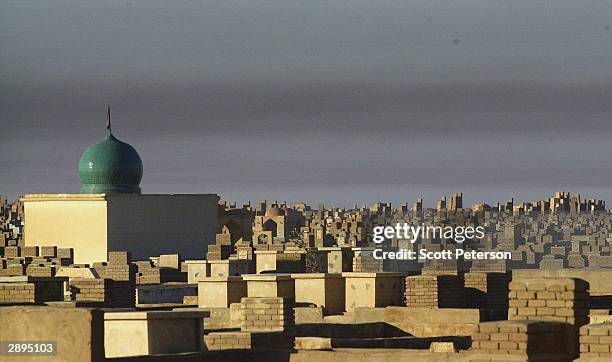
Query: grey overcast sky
{"points": [[340, 102]]}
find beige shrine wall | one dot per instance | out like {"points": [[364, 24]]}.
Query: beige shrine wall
{"points": [[146, 224], [76, 221], [155, 224]]}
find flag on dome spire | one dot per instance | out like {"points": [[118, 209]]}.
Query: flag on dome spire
{"points": [[108, 120]]}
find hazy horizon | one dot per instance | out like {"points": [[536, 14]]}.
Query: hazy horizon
{"points": [[339, 103]]}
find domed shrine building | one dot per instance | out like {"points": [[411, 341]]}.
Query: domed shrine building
{"points": [[110, 213]]}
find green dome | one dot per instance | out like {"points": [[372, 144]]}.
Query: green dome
{"points": [[110, 166]]}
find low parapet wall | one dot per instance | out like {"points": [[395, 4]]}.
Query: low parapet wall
{"points": [[598, 279], [431, 322], [164, 293]]}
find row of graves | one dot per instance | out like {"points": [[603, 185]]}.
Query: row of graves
{"points": [[47, 274], [476, 315], [11, 223], [28, 274], [472, 310], [470, 316], [559, 232], [477, 311]]}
